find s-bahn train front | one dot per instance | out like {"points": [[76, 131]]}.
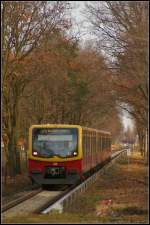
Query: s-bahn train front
{"points": [[55, 155]]}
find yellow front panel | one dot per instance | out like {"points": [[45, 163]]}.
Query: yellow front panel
{"points": [[56, 159]]}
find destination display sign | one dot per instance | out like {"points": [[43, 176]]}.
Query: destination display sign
{"points": [[55, 137]]}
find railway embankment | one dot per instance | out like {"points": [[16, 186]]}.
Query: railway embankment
{"points": [[120, 195]]}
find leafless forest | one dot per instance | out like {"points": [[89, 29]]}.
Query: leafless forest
{"points": [[49, 77]]}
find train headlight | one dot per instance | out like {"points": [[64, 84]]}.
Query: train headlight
{"points": [[35, 153], [75, 153]]}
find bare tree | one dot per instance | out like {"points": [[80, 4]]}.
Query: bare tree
{"points": [[23, 25]]}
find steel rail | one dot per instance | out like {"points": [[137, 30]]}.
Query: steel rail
{"points": [[19, 200]]}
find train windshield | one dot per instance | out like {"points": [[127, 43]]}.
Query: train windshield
{"points": [[50, 142]]}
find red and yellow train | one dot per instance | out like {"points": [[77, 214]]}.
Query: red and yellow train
{"points": [[65, 154]]}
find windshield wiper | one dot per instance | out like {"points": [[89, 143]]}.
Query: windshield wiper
{"points": [[47, 155]]}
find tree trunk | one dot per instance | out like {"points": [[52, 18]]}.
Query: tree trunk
{"points": [[11, 156], [13, 160]]}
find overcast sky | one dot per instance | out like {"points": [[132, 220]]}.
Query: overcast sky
{"points": [[79, 21]]}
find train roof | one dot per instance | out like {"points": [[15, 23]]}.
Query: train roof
{"points": [[92, 129], [69, 125]]}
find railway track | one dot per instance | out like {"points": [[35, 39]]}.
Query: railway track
{"points": [[32, 204], [66, 200], [44, 201], [19, 200]]}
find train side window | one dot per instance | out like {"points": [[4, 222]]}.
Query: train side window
{"points": [[86, 146], [91, 137], [100, 140], [99, 144], [84, 143], [87, 142], [95, 141], [99, 147], [102, 143], [107, 143], [88, 138], [91, 142]]}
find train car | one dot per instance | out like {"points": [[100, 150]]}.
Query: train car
{"points": [[65, 154]]}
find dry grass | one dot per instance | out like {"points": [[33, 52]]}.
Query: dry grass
{"points": [[125, 184], [15, 187], [19, 183]]}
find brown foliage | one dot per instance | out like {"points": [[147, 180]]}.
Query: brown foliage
{"points": [[23, 26]]}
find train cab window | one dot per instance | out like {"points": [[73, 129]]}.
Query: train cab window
{"points": [[50, 142]]}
